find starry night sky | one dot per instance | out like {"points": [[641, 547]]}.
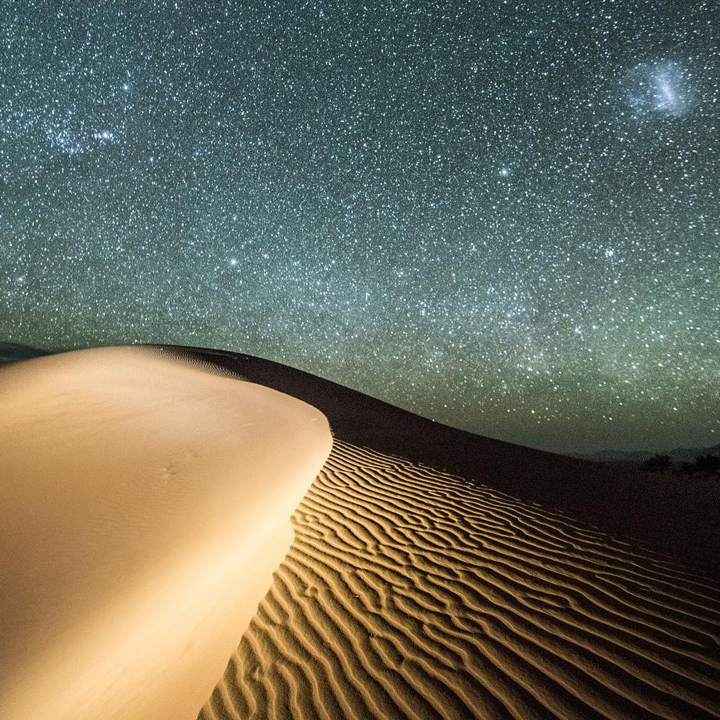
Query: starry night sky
{"points": [[501, 215]]}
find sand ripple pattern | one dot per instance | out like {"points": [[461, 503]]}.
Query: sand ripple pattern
{"points": [[410, 593]]}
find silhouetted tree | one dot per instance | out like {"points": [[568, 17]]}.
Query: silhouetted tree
{"points": [[709, 464], [657, 464], [703, 464]]}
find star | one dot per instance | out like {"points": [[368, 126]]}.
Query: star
{"points": [[470, 210]]}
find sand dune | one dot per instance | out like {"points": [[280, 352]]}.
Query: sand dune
{"points": [[676, 518], [144, 504], [411, 593]]}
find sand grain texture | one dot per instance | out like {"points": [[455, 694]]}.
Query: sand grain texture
{"points": [[411, 593]]}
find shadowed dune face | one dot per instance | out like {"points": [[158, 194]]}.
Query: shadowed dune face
{"points": [[674, 517], [144, 503], [410, 593]]}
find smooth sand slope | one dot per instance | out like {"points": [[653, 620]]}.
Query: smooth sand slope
{"points": [[144, 503], [411, 593]]}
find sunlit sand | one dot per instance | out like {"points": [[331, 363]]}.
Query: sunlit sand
{"points": [[144, 505]]}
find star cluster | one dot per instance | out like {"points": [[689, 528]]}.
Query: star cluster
{"points": [[504, 216]]}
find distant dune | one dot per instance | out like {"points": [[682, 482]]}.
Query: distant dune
{"points": [[13, 352], [144, 504]]}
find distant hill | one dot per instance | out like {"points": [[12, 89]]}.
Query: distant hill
{"points": [[12, 352], [638, 457]]}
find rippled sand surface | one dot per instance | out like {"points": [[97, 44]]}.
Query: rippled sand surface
{"points": [[411, 593]]}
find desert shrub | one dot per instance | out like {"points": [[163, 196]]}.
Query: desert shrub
{"points": [[702, 465]]}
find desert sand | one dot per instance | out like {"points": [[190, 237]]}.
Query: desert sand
{"points": [[144, 505], [433, 573], [411, 593], [520, 585]]}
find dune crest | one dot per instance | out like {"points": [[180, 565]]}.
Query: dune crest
{"points": [[144, 504], [411, 593]]}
